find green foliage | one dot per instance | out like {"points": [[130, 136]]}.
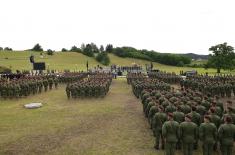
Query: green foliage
{"points": [[37, 48], [7, 49], [101, 48], [222, 57], [1, 48], [64, 50], [75, 49], [88, 50], [168, 59], [180, 64], [109, 48], [94, 48], [103, 58], [50, 52]]}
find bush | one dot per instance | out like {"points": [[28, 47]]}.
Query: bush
{"points": [[1, 48], [180, 64], [103, 58]]}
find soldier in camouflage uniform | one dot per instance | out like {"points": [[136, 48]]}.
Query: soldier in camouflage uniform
{"points": [[170, 132], [208, 135], [226, 135], [188, 134], [158, 120]]}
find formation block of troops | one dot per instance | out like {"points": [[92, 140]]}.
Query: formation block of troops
{"points": [[72, 77], [96, 85], [180, 119], [171, 78], [27, 85], [134, 76], [139, 82], [223, 86]]}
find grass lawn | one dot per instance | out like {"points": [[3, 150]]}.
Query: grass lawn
{"points": [[112, 125], [77, 61]]}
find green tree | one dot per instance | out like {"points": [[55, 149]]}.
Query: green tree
{"points": [[50, 52], [109, 48], [7, 49], [94, 48], [75, 49], [88, 50], [222, 57], [1, 48], [101, 48], [37, 48], [64, 50]]}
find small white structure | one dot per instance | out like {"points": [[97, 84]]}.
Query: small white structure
{"points": [[33, 105]]}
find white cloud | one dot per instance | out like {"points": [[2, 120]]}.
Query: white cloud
{"points": [[166, 26]]}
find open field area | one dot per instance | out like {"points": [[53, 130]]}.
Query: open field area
{"points": [[113, 125], [77, 61]]}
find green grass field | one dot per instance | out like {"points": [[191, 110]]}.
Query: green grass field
{"points": [[77, 61], [113, 125]]}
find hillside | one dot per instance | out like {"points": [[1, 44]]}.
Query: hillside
{"points": [[196, 56], [76, 61]]}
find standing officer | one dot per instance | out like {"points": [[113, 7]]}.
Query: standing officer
{"points": [[170, 132], [188, 134], [226, 134], [207, 134], [158, 119]]}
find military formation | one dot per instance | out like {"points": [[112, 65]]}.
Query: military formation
{"points": [[71, 77], [27, 85], [139, 82], [171, 78], [134, 76], [183, 119], [223, 86], [95, 85]]}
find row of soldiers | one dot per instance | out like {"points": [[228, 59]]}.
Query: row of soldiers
{"points": [[205, 119], [140, 84], [96, 85], [222, 89], [71, 77], [171, 78], [133, 76], [215, 78], [25, 86]]}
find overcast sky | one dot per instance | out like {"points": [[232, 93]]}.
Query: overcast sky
{"points": [[175, 26]]}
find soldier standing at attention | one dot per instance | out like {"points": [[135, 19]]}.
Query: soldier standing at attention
{"points": [[207, 134], [158, 119], [196, 118], [170, 132], [188, 134], [178, 117], [226, 134]]}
